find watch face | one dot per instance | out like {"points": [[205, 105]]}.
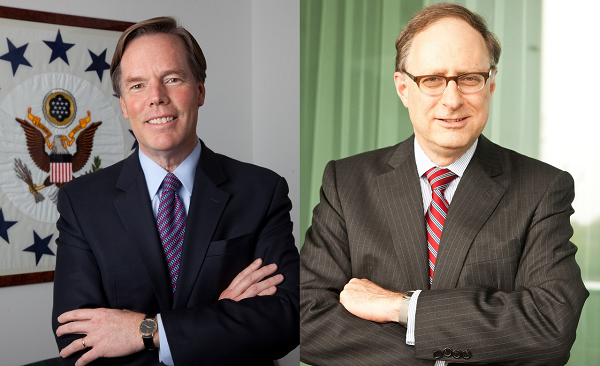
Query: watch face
{"points": [[148, 327]]}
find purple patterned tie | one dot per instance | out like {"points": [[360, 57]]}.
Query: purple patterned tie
{"points": [[170, 221]]}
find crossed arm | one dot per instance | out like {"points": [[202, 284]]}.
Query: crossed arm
{"points": [[346, 320], [254, 317], [115, 333]]}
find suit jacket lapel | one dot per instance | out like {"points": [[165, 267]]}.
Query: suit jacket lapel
{"points": [[475, 199], [206, 206], [135, 210], [403, 203]]}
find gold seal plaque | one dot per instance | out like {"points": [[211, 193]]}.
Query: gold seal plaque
{"points": [[59, 108]]}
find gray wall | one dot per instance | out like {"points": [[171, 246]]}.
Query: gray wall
{"points": [[251, 113]]}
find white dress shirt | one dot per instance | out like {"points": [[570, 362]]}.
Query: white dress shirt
{"points": [[423, 165]]}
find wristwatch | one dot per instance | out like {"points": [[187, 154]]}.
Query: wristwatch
{"points": [[148, 328], [403, 316]]}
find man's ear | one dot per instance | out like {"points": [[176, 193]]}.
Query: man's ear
{"points": [[201, 95], [493, 81], [123, 108], [401, 87]]}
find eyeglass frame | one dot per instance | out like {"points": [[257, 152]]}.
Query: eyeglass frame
{"points": [[417, 79]]}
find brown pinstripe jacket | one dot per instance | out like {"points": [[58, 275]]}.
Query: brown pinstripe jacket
{"points": [[506, 288]]}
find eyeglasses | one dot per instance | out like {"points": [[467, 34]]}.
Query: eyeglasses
{"points": [[436, 84]]}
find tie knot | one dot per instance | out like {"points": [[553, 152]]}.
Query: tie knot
{"points": [[440, 178], [171, 183]]}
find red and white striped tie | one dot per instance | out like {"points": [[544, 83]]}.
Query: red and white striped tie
{"points": [[439, 179]]}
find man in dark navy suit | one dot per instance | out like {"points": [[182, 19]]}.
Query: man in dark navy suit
{"points": [[227, 291]]}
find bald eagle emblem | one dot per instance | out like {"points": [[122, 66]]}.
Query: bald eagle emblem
{"points": [[59, 162]]}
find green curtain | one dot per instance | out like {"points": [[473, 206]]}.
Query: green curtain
{"points": [[347, 95], [349, 104]]}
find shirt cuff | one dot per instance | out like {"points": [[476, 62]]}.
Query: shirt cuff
{"points": [[410, 324], [164, 352]]}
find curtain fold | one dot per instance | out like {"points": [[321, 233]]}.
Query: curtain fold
{"points": [[348, 99]]}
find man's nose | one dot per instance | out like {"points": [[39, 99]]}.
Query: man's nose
{"points": [[157, 94], [452, 97]]}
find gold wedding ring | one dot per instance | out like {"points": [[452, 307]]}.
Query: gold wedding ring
{"points": [[83, 342]]}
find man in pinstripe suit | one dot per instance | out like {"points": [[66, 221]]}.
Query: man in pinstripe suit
{"points": [[503, 286]]}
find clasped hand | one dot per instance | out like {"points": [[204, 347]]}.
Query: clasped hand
{"points": [[115, 333]]}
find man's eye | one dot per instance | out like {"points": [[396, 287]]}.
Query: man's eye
{"points": [[172, 80], [136, 86], [432, 80], [471, 79]]}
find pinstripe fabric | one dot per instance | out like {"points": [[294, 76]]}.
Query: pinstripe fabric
{"points": [[507, 286]]}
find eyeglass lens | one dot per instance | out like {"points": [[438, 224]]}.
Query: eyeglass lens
{"points": [[468, 83]]}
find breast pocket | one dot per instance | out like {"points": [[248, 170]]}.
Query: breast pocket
{"points": [[224, 260], [229, 246], [492, 264]]}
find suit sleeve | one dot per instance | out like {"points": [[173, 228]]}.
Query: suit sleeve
{"points": [[536, 323], [77, 278], [532, 324], [330, 335], [259, 328]]}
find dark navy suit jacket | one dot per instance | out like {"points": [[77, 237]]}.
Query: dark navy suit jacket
{"points": [[110, 255]]}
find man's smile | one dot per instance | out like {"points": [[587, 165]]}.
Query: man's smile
{"points": [[452, 120], [161, 120]]}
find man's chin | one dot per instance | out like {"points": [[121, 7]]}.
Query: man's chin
{"points": [[455, 140]]}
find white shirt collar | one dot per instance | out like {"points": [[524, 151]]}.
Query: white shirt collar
{"points": [[458, 167]]}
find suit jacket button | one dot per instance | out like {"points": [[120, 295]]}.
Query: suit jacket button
{"points": [[456, 353], [466, 354], [437, 354], [447, 352]]}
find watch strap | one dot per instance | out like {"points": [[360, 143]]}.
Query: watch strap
{"points": [[148, 343]]}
